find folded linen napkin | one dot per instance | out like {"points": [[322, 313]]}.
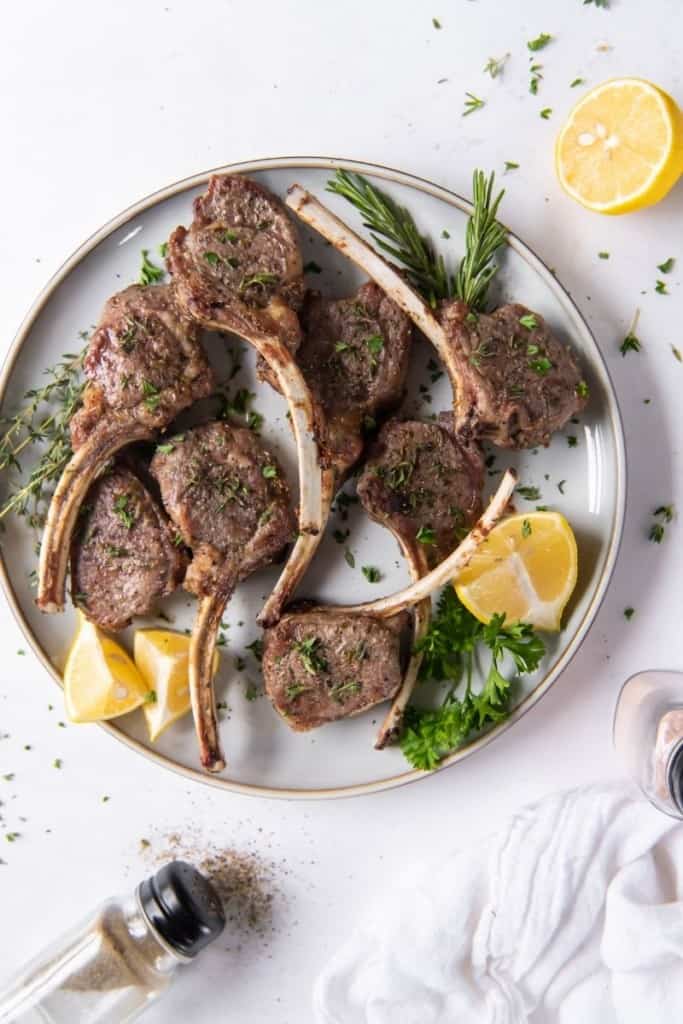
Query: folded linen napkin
{"points": [[572, 912]]}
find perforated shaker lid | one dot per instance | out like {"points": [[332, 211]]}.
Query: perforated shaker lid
{"points": [[183, 907]]}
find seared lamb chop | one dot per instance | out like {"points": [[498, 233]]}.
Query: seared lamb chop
{"points": [[229, 499], [422, 482], [238, 269], [125, 556], [512, 380], [144, 365], [354, 357], [321, 665], [314, 664]]}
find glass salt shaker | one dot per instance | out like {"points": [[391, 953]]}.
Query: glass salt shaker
{"points": [[648, 736], [108, 969]]}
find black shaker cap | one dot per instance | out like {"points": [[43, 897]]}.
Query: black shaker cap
{"points": [[183, 907]]}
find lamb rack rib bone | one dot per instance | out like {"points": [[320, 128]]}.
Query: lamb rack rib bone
{"points": [[343, 238], [420, 474], [447, 570], [144, 365], [229, 499], [238, 269]]}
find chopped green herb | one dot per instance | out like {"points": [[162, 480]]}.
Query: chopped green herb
{"points": [[308, 650], [445, 234], [526, 528], [349, 558], [510, 165], [572, 441], [529, 321], [371, 573], [375, 345], [436, 23], [341, 691], [149, 272], [472, 103], [656, 533], [582, 389], [598, 3], [546, 112], [312, 268], [213, 258], [115, 551], [560, 486], [577, 81], [341, 535], [152, 395], [661, 288], [539, 42], [123, 511], [294, 690], [529, 493], [667, 266], [256, 648], [163, 250], [258, 279], [151, 697], [341, 346], [629, 613], [677, 353], [269, 472], [426, 535], [11, 837], [541, 366], [666, 512], [494, 66], [603, 255], [8, 776]]}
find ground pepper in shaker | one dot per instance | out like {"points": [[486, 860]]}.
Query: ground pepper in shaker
{"points": [[113, 965], [648, 736]]}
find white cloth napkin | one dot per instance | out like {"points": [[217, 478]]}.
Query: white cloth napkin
{"points": [[571, 914]]}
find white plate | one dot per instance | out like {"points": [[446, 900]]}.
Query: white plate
{"points": [[264, 756]]}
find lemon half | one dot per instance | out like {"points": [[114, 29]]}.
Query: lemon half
{"points": [[526, 568], [622, 146], [100, 679]]}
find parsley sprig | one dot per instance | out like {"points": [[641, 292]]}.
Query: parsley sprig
{"points": [[449, 651]]}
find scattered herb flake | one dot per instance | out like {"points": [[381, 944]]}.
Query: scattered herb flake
{"points": [[577, 81], [572, 441], [677, 353], [629, 613], [660, 288], [426, 535], [472, 103], [269, 472], [603, 255], [529, 493], [667, 266], [560, 486], [510, 165], [349, 558], [582, 389], [149, 272], [526, 528], [371, 573], [436, 23], [546, 112], [529, 321], [494, 66], [539, 42]]}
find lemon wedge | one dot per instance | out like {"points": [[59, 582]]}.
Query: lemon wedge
{"points": [[621, 148], [100, 679], [526, 568], [162, 657]]}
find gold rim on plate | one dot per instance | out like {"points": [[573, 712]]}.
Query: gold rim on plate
{"points": [[453, 199]]}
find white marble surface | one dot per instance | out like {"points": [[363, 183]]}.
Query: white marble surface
{"points": [[101, 104]]}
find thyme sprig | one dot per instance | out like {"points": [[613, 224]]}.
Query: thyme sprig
{"points": [[43, 421]]}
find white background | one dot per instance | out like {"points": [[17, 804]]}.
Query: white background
{"points": [[103, 103]]}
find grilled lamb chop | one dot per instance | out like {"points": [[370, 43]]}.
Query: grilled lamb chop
{"points": [[125, 556], [354, 357], [238, 269], [424, 483], [228, 497], [314, 663], [513, 383], [144, 365], [320, 665]]}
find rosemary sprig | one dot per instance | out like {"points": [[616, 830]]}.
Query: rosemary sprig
{"points": [[483, 237], [43, 421], [395, 232]]}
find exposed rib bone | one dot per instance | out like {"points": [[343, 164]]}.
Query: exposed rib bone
{"points": [[343, 238], [391, 726], [201, 671], [74, 483], [447, 570]]}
